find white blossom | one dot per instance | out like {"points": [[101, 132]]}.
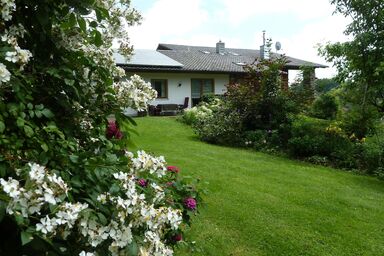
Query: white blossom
{"points": [[46, 225], [5, 75], [7, 7], [11, 57], [11, 187], [134, 93], [145, 162], [83, 253], [37, 173]]}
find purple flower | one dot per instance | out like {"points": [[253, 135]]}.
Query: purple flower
{"points": [[190, 203], [142, 182], [113, 130]]}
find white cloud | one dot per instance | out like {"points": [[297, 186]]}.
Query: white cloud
{"points": [[166, 19], [189, 22], [304, 44], [239, 11]]}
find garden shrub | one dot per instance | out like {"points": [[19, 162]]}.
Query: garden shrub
{"points": [[358, 121], [223, 126], [210, 98], [316, 137], [262, 139], [325, 107], [192, 115], [68, 185], [260, 98], [372, 154]]}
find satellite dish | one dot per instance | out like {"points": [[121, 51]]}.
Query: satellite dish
{"points": [[278, 46]]}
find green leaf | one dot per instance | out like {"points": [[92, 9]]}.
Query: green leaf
{"points": [[102, 218], [26, 237], [69, 81], [72, 20], [132, 249], [98, 40], [114, 189], [2, 127], [131, 120], [44, 147], [47, 113], [82, 24], [38, 113], [74, 159], [20, 122], [111, 158], [76, 181], [28, 131], [93, 24], [99, 15], [3, 170], [39, 107], [19, 219], [12, 108], [3, 206]]}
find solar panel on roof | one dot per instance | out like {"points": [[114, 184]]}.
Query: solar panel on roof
{"points": [[142, 57]]}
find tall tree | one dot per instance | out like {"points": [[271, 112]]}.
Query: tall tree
{"points": [[360, 61]]}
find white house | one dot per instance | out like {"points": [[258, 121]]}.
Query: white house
{"points": [[178, 72]]}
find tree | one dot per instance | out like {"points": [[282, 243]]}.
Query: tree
{"points": [[259, 97], [360, 61], [325, 85], [68, 185]]}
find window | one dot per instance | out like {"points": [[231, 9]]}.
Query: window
{"points": [[201, 87], [161, 86]]}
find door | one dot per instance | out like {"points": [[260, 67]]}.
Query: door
{"points": [[200, 87]]}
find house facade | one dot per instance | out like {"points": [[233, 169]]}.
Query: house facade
{"points": [[172, 88], [180, 71]]}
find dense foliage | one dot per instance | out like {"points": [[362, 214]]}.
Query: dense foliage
{"points": [[68, 184], [325, 106], [316, 126], [259, 98], [360, 61]]}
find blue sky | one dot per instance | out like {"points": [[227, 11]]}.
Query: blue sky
{"points": [[299, 25]]}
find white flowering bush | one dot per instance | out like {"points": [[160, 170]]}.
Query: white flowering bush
{"points": [[68, 184], [201, 111]]}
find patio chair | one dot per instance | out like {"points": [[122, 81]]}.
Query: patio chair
{"points": [[185, 105]]}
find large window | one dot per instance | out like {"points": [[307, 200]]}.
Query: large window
{"points": [[201, 87], [161, 86]]}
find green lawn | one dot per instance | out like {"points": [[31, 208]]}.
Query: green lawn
{"points": [[264, 205]]}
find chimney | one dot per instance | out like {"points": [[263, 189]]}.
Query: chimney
{"points": [[220, 47], [264, 49]]}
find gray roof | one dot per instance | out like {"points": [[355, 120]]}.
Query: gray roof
{"points": [[142, 57], [205, 59]]}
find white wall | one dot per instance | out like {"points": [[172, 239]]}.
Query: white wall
{"points": [[176, 93]]}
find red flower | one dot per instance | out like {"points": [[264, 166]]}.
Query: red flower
{"points": [[177, 238], [113, 130], [173, 169]]}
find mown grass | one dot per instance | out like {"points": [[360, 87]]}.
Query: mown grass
{"points": [[265, 205]]}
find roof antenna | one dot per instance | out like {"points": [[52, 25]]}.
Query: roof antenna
{"points": [[263, 37]]}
